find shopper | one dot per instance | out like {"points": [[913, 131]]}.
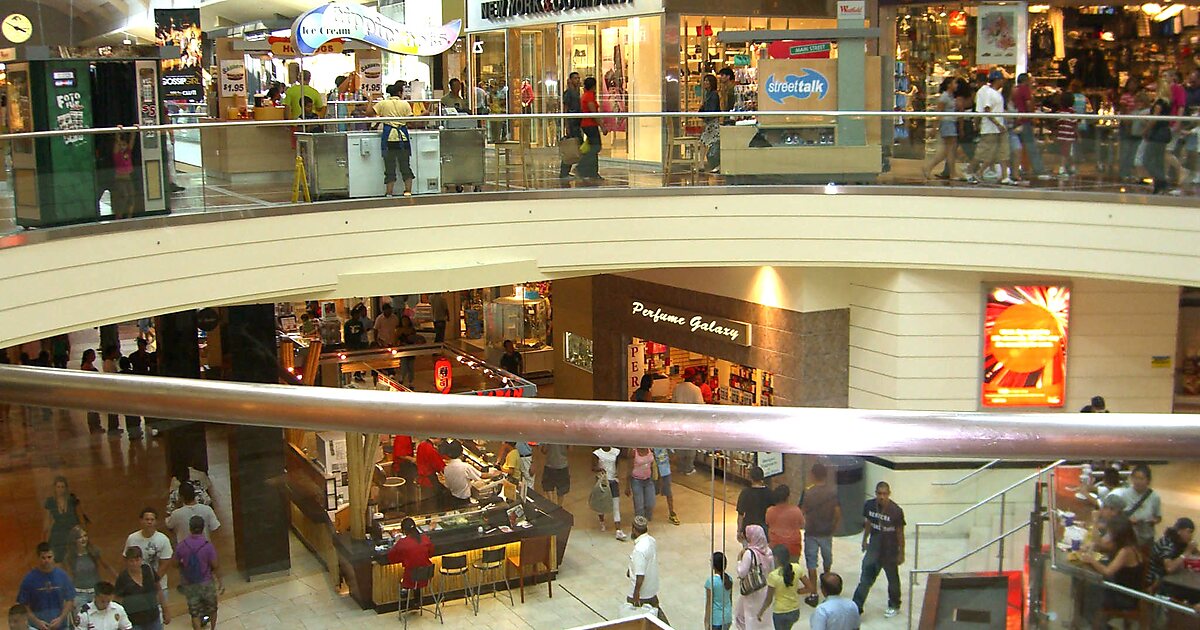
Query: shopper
{"points": [[18, 617], [411, 550], [643, 568], [1156, 137], [989, 153], [104, 613], [662, 457], [47, 593], [197, 479], [87, 363], [353, 330], [718, 608], [387, 327], [155, 546], [822, 519], [110, 364], [133, 424], [642, 393], [1126, 568], [836, 612], [571, 104], [137, 590], [556, 472], [641, 482], [293, 97], [711, 136], [947, 150], [397, 148], [122, 191], [1166, 557], [441, 315], [63, 514], [589, 160], [785, 522], [512, 361], [883, 547], [687, 393], [60, 350], [407, 335], [1127, 106], [84, 565], [1023, 99], [606, 464], [1145, 506], [755, 563], [455, 98], [753, 502], [1066, 132], [785, 584], [726, 87], [179, 521], [199, 580]]}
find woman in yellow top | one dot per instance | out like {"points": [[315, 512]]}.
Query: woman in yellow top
{"points": [[785, 585], [397, 151]]}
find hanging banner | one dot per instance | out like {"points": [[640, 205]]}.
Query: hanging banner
{"points": [[352, 21], [1025, 345], [997, 34], [182, 78], [233, 77]]}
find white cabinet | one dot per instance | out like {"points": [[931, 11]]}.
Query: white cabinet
{"points": [[364, 164], [426, 162]]}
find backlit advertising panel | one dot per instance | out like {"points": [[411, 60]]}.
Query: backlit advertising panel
{"points": [[1025, 345]]}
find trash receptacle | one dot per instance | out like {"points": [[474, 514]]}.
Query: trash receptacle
{"points": [[849, 477]]}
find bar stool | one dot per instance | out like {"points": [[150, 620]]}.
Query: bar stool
{"points": [[686, 151], [454, 566], [511, 154], [419, 574], [491, 563]]}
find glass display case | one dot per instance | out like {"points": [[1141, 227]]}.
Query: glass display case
{"points": [[522, 318], [578, 351]]}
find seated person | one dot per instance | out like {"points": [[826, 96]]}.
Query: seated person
{"points": [[459, 477], [1111, 506], [412, 550], [1127, 568], [1166, 557]]}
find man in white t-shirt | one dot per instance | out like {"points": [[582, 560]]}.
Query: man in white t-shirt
{"points": [[643, 568], [606, 463], [993, 139], [103, 613], [459, 476], [387, 327], [155, 546], [177, 521], [688, 393]]}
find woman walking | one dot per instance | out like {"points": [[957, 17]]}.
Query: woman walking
{"points": [[1156, 137], [83, 563], [62, 515], [754, 564], [711, 137], [947, 132], [641, 482]]}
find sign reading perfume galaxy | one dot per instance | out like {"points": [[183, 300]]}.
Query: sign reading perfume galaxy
{"points": [[697, 324], [1025, 345], [352, 21]]}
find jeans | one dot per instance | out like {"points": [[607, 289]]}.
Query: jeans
{"points": [[785, 621], [813, 544], [439, 331], [1155, 162], [407, 370], [871, 565], [643, 498], [1127, 152], [1029, 141], [589, 163]]}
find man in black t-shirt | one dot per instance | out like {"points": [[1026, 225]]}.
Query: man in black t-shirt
{"points": [[753, 502], [883, 547], [352, 334]]}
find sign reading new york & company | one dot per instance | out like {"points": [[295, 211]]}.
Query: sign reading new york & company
{"points": [[500, 9], [697, 324]]}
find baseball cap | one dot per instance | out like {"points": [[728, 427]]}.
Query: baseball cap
{"points": [[996, 75]]}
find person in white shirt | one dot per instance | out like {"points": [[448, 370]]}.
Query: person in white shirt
{"points": [[836, 612], [387, 328], [606, 464], [155, 546], [993, 137], [643, 568], [177, 521], [103, 613], [688, 393], [459, 476]]}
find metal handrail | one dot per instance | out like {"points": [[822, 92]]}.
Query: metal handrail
{"points": [[916, 571], [602, 423], [26, 135], [1096, 578], [995, 496], [968, 475]]}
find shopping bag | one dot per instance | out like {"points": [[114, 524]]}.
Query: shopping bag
{"points": [[627, 610], [585, 147], [569, 150], [600, 499]]}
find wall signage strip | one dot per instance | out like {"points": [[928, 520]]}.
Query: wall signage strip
{"points": [[697, 324], [501, 9]]}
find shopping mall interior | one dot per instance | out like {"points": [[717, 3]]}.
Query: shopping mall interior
{"points": [[513, 314]]}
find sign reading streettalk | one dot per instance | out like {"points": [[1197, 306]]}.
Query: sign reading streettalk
{"points": [[352, 21], [696, 324]]}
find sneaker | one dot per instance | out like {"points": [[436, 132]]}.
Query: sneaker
{"points": [[621, 536], [1045, 177], [407, 194], [603, 527], [971, 179], [891, 612], [1008, 181], [674, 519], [812, 600]]}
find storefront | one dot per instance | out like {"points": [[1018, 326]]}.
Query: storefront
{"points": [[646, 55]]}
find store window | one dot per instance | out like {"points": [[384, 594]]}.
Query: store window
{"points": [[932, 42], [490, 94], [539, 89]]}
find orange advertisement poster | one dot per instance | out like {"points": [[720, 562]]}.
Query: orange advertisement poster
{"points": [[1025, 345]]}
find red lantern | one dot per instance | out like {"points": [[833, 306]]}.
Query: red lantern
{"points": [[443, 375]]}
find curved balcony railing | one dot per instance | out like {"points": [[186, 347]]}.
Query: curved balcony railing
{"points": [[239, 165]]}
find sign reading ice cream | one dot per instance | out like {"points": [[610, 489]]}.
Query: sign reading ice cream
{"points": [[352, 21]]}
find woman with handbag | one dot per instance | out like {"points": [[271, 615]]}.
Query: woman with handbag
{"points": [[754, 564], [711, 137]]}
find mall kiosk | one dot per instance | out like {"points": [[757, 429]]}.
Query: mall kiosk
{"points": [[60, 180]]}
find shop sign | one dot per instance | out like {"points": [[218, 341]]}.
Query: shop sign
{"points": [[770, 463], [443, 375], [851, 10], [485, 15], [797, 85], [233, 77], [800, 49], [1025, 345], [525, 391], [808, 84], [8, 54], [699, 325], [283, 47], [353, 21], [501, 9]]}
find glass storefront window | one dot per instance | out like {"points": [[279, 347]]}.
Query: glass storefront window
{"points": [[490, 94], [540, 91]]}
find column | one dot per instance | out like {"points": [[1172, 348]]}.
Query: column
{"points": [[178, 354]]}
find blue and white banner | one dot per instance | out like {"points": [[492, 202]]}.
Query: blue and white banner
{"points": [[343, 20]]}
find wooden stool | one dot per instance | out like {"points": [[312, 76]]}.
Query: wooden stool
{"points": [[509, 154], [688, 152]]}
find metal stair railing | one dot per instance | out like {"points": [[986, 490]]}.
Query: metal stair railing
{"points": [[968, 475]]}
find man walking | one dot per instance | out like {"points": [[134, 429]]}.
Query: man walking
{"points": [[883, 547], [822, 517], [103, 613], [47, 593], [1022, 97], [753, 502], [836, 612], [687, 393], [662, 457], [556, 473], [992, 136], [155, 546], [180, 520], [198, 573], [387, 328], [571, 104], [643, 568], [441, 315]]}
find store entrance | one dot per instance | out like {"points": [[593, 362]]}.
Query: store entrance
{"points": [[538, 83]]}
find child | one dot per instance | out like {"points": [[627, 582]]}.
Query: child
{"points": [[606, 464], [1066, 132], [311, 114], [718, 613], [783, 596], [121, 197]]}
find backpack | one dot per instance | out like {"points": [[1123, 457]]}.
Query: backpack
{"points": [[192, 568]]}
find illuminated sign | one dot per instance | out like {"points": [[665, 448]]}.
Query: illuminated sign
{"points": [[1025, 346], [700, 325], [807, 84], [443, 375], [283, 47], [499, 9], [352, 21]]}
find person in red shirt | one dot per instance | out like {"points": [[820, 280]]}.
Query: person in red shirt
{"points": [[589, 163], [412, 550], [1023, 98], [402, 455], [430, 464]]}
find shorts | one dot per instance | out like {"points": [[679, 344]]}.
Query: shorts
{"points": [[988, 149], [664, 486], [397, 154], [201, 599], [948, 128], [812, 544], [1014, 142], [556, 480]]}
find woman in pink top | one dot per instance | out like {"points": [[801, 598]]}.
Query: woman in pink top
{"points": [[641, 482], [785, 522], [122, 189]]}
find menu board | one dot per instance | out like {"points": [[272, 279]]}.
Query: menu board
{"points": [[1025, 345]]}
